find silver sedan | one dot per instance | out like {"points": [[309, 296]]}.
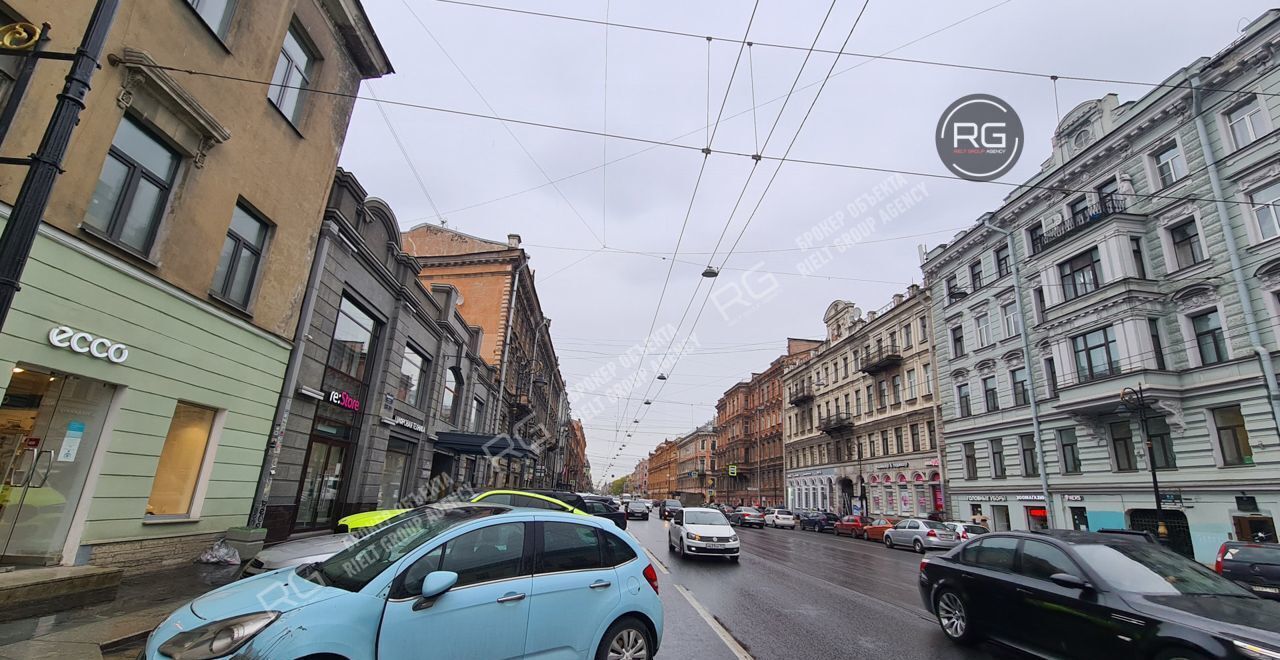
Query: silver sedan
{"points": [[921, 534]]}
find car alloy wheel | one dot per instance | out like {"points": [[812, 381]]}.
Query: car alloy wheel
{"points": [[628, 644], [888, 542], [681, 548], [953, 616], [919, 547]]}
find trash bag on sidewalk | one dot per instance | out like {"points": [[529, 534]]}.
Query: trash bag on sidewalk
{"points": [[219, 553]]}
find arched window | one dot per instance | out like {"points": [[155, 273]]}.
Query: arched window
{"points": [[450, 401]]}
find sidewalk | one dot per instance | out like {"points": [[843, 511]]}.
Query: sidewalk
{"points": [[141, 603]]}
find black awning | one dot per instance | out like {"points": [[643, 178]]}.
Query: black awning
{"points": [[496, 446]]}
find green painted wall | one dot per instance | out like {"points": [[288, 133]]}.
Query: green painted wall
{"points": [[178, 350]]}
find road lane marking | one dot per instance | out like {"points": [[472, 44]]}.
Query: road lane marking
{"points": [[661, 566], [734, 647]]}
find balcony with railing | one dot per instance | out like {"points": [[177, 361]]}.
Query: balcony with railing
{"points": [[800, 392], [882, 358], [837, 421], [1079, 222]]}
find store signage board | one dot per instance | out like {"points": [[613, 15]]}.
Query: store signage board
{"points": [[85, 343], [406, 423], [344, 400]]}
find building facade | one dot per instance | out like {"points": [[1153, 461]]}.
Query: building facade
{"points": [[695, 465], [662, 465], [500, 295], [143, 358], [639, 481], [575, 475], [861, 430], [1147, 258], [390, 385], [749, 431]]}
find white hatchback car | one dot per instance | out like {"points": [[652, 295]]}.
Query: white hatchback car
{"points": [[700, 531], [780, 518]]}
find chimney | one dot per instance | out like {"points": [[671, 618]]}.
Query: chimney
{"points": [[913, 290], [897, 299], [513, 241]]}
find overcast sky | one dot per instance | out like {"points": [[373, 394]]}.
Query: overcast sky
{"points": [[602, 302]]}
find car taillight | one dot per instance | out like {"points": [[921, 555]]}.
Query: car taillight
{"points": [[1217, 563], [932, 534], [964, 536], [923, 562], [652, 576]]}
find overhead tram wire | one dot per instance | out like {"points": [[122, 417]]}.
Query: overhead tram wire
{"points": [[702, 168], [760, 201], [422, 185], [842, 52]]}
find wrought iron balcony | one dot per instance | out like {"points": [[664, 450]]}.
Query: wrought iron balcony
{"points": [[1079, 222], [800, 392], [835, 421], [884, 357]]}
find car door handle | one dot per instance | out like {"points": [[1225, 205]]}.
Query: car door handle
{"points": [[1025, 592], [511, 598], [600, 584]]}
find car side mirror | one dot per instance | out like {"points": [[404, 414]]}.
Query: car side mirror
{"points": [[1069, 581], [433, 586]]}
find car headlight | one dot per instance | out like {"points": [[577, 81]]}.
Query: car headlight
{"points": [[692, 537], [217, 639], [1255, 652], [733, 539]]}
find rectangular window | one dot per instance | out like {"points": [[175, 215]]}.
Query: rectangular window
{"points": [[1264, 212], [1035, 237], [1108, 196], [132, 189], [929, 438], [983, 324], [1037, 296], [1051, 377], [884, 443], [1029, 466], [970, 461], [924, 330], [292, 75], [884, 393], [962, 399], [1080, 274], [1003, 266], [1161, 444], [975, 276], [181, 461], [477, 415], [857, 402], [897, 389], [897, 440], [1079, 210], [1122, 446], [871, 399], [215, 13], [1209, 339], [1233, 437], [928, 378], [915, 437], [1070, 451], [989, 394], [1246, 123], [957, 341], [846, 366], [1011, 324], [1096, 354], [412, 368], [1157, 346], [1186, 244], [1018, 377], [906, 336], [911, 383], [1139, 264], [997, 459], [1170, 165], [953, 286], [241, 256]]}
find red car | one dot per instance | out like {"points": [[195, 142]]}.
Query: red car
{"points": [[852, 525], [875, 531]]}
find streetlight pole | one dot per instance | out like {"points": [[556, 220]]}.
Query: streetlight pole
{"points": [[1025, 332], [1136, 401]]}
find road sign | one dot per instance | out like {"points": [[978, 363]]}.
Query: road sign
{"points": [[733, 470]]}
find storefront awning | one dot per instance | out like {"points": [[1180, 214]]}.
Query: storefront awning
{"points": [[496, 446]]}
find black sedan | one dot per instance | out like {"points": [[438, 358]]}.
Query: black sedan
{"points": [[1072, 594], [818, 521], [603, 507]]}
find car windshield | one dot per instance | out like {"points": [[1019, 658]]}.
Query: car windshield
{"points": [[354, 567], [633, 504], [975, 529], [704, 518], [671, 503], [1147, 568], [749, 509], [934, 525]]}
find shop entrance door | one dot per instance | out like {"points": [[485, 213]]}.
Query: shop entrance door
{"points": [[49, 429], [321, 485]]}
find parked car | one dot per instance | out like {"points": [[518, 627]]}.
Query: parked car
{"points": [[780, 518], [603, 508], [702, 531], [875, 531], [1076, 594], [747, 516], [966, 530], [1254, 566], [819, 522], [852, 525], [667, 508], [463, 578], [637, 509], [921, 534]]}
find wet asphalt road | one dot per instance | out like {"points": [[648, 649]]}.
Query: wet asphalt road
{"points": [[798, 594]]}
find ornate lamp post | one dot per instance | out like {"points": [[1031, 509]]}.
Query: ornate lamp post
{"points": [[1136, 401]]}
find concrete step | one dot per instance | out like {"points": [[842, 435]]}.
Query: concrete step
{"points": [[28, 592]]}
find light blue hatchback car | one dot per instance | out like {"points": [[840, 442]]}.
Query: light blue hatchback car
{"points": [[473, 581]]}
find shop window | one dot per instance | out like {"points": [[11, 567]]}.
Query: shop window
{"points": [[181, 461], [132, 189], [241, 257]]}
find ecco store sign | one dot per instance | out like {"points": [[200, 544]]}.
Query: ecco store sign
{"points": [[83, 342]]}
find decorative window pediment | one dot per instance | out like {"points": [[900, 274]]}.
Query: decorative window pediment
{"points": [[1194, 297], [156, 96]]}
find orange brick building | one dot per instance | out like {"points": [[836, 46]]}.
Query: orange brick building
{"points": [[663, 462]]}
